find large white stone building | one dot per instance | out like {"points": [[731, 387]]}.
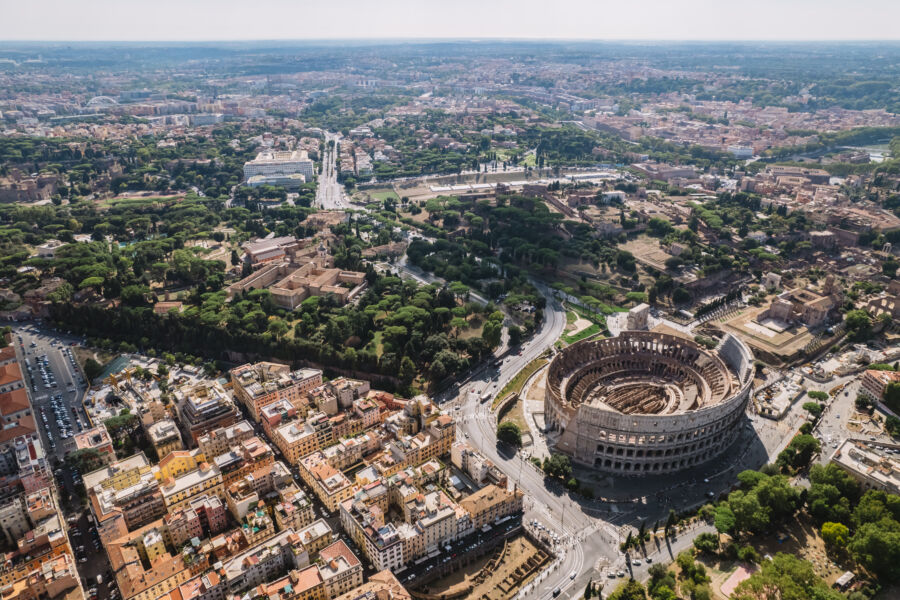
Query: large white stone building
{"points": [[271, 162]]}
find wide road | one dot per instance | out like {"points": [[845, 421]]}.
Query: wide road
{"points": [[583, 539], [330, 193]]}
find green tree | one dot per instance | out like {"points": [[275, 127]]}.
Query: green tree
{"points": [[85, 460], [91, 282], [629, 590], [407, 370], [748, 554], [785, 577], [92, 369], [892, 396], [749, 514], [798, 453], [725, 520], [835, 535], [876, 546], [859, 324], [708, 543], [508, 432], [813, 408]]}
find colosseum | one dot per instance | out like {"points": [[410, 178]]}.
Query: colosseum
{"points": [[646, 402]]}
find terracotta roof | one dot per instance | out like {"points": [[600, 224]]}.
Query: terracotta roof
{"points": [[24, 426], [10, 373], [337, 549], [307, 578], [14, 401], [7, 353]]}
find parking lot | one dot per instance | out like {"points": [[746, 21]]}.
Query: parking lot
{"points": [[56, 385]]}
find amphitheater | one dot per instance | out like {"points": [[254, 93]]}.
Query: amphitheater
{"points": [[647, 402]]}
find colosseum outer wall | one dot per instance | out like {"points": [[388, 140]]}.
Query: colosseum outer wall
{"points": [[637, 444]]}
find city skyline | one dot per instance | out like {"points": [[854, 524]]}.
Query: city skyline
{"points": [[203, 20]]}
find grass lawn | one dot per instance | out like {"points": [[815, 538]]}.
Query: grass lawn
{"points": [[584, 333], [515, 384], [382, 195], [376, 343]]}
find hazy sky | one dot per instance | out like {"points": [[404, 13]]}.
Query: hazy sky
{"points": [[318, 19]]}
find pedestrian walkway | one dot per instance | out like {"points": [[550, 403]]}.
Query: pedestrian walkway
{"points": [[539, 447]]}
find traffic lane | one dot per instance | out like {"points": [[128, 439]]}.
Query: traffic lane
{"points": [[556, 578]]}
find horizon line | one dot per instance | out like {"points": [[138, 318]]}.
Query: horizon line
{"points": [[457, 39]]}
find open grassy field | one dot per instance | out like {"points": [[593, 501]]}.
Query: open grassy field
{"points": [[382, 195]]}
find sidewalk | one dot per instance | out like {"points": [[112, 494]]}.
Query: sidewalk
{"points": [[539, 447]]}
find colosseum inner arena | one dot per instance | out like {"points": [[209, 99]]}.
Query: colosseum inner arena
{"points": [[646, 402]]}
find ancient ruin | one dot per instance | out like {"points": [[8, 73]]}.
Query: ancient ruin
{"points": [[647, 402]]}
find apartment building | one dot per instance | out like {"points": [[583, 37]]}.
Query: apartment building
{"points": [[340, 569], [248, 456], [264, 562], [345, 453], [274, 415], [51, 578], [299, 584], [378, 538], [329, 484], [11, 377], [299, 438], [166, 573], [491, 503], [17, 421], [223, 439], [206, 479], [97, 439], [202, 587], [203, 517], [874, 382], [435, 518], [257, 526], [347, 390], [434, 441], [31, 466], [124, 496], [475, 465], [315, 536], [13, 519], [293, 510], [381, 585], [258, 385], [204, 408], [367, 411], [165, 437]]}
